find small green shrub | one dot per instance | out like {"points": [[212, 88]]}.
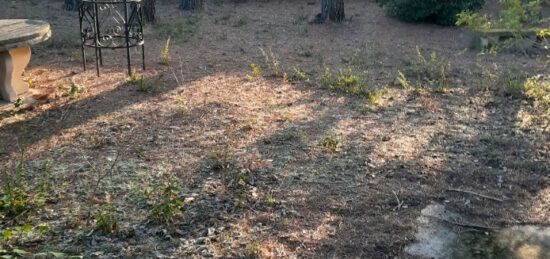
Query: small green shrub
{"points": [[16, 197], [403, 81], [513, 88], [134, 78], [219, 159], [516, 15], [255, 70], [253, 250], [537, 89], [270, 199], [298, 75], [74, 89], [437, 11], [428, 70], [106, 218], [373, 97], [346, 81], [329, 143], [166, 206]]}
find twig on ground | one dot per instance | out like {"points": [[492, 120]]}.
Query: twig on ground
{"points": [[399, 202], [476, 194]]}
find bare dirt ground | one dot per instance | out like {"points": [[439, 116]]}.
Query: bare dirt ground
{"points": [[264, 167]]}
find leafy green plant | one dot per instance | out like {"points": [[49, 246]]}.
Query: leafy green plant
{"points": [[134, 78], [373, 97], [255, 70], [285, 78], [537, 89], [516, 15], [428, 70], [15, 198], [346, 81], [403, 81], [253, 249], [74, 89], [150, 85], [437, 11], [14, 202], [106, 218], [544, 34], [219, 159], [270, 199], [513, 87], [298, 75], [18, 103], [167, 205], [329, 143]]}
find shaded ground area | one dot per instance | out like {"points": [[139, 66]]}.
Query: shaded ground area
{"points": [[266, 167]]}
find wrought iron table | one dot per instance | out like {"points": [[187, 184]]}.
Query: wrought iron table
{"points": [[111, 24], [16, 37]]}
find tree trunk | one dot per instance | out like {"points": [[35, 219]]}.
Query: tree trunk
{"points": [[331, 9], [337, 13], [191, 5], [148, 10], [71, 5]]}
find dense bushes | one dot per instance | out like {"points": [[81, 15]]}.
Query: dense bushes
{"points": [[438, 11]]}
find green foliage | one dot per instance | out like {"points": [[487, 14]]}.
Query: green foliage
{"points": [[15, 198], [181, 31], [438, 11], [219, 159], [329, 143], [166, 206], [516, 15], [513, 87], [134, 78], [298, 75], [150, 85], [373, 97], [537, 89], [14, 202], [253, 249], [403, 81], [346, 81], [428, 70], [74, 89], [106, 218], [18, 103], [255, 70], [270, 199]]}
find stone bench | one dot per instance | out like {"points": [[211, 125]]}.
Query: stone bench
{"points": [[491, 37], [16, 38]]}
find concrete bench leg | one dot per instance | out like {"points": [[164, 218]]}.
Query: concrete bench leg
{"points": [[12, 65]]}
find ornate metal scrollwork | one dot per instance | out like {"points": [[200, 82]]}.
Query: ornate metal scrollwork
{"points": [[111, 24]]}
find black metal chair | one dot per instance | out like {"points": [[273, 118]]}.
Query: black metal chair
{"points": [[111, 24]]}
